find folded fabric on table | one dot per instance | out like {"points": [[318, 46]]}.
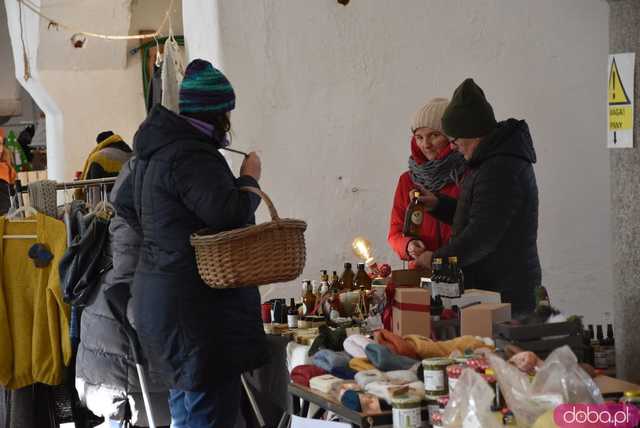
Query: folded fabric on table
{"points": [[302, 374], [324, 383], [329, 360], [362, 402], [383, 359], [427, 348], [360, 364], [328, 339], [395, 343], [343, 373], [365, 377], [339, 389], [401, 377], [386, 390], [354, 345]]}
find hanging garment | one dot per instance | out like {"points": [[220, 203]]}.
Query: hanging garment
{"points": [[43, 197], [85, 261], [35, 338], [154, 93], [172, 75]]}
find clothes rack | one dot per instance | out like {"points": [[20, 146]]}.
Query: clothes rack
{"points": [[77, 184]]}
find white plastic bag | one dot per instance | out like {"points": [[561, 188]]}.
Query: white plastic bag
{"points": [[470, 403], [559, 380]]}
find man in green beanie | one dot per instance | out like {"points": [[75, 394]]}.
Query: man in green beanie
{"points": [[495, 220]]}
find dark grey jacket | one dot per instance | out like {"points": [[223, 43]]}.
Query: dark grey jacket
{"points": [[106, 376], [495, 220], [191, 333]]}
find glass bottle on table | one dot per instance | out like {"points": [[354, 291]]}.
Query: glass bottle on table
{"points": [[346, 280], [308, 299], [436, 272], [455, 275], [362, 281], [334, 285], [292, 315]]}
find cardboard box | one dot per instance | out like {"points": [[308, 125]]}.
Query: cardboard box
{"points": [[473, 295], [408, 277], [478, 320], [411, 312]]}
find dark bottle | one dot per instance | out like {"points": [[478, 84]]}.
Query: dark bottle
{"points": [[334, 285], [436, 267], [414, 217], [362, 281], [292, 315], [346, 281], [592, 333], [600, 351], [455, 274], [611, 349]]}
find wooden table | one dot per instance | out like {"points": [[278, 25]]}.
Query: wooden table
{"points": [[325, 403], [611, 387]]}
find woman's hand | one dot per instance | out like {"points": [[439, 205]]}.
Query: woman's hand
{"points": [[424, 260], [427, 197], [252, 166], [415, 248]]}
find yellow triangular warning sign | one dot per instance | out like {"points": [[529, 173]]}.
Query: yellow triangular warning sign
{"points": [[617, 93]]}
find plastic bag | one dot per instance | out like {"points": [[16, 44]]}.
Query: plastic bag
{"points": [[470, 403], [559, 380]]}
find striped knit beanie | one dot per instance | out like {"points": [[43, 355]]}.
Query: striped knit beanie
{"points": [[430, 115], [205, 89]]}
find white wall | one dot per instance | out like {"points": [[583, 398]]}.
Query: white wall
{"points": [[325, 92]]}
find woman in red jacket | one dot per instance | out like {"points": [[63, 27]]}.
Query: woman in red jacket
{"points": [[433, 165]]}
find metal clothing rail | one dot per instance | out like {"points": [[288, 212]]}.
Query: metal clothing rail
{"points": [[72, 184]]}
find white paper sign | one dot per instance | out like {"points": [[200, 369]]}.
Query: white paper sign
{"points": [[620, 100]]}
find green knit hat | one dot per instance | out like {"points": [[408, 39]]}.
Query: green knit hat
{"points": [[469, 114], [205, 89]]}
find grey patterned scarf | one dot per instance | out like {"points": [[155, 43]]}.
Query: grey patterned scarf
{"points": [[436, 174]]}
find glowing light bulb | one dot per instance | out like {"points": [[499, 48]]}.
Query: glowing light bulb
{"points": [[362, 248]]}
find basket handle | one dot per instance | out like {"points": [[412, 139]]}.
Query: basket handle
{"points": [[265, 198]]}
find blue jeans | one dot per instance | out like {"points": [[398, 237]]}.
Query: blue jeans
{"points": [[217, 407]]}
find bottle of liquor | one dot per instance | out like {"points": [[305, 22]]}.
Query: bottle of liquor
{"points": [[362, 281], [334, 286], [292, 315], [589, 336], [346, 281], [309, 299], [414, 217], [600, 353], [324, 283], [611, 344], [455, 275], [436, 267]]}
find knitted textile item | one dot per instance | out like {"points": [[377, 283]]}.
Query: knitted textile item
{"points": [[343, 373], [328, 360], [205, 89], [324, 383], [383, 359], [366, 377], [301, 375], [395, 343], [328, 339], [43, 197], [401, 377], [469, 114], [355, 344], [430, 115], [172, 75], [427, 348], [360, 364], [386, 390]]}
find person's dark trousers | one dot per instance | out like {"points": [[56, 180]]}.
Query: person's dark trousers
{"points": [[5, 197], [218, 407]]}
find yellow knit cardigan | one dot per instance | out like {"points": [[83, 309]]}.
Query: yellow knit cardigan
{"points": [[34, 320]]}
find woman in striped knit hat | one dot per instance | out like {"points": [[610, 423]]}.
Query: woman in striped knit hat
{"points": [[434, 166]]}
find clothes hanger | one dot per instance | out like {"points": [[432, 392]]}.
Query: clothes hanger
{"points": [[12, 218], [158, 56]]}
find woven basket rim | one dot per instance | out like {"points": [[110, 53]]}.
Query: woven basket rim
{"points": [[203, 238]]}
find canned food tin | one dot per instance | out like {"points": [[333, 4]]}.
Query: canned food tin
{"points": [[406, 412], [435, 376]]}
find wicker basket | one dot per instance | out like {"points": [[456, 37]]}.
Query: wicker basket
{"points": [[252, 256]]}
